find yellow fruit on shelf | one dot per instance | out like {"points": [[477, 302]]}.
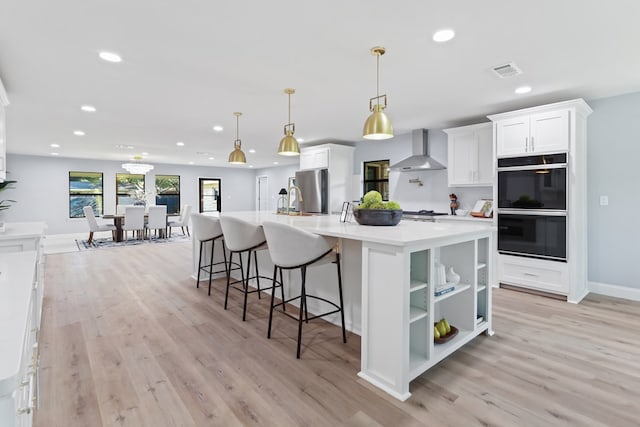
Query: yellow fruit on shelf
{"points": [[436, 333], [442, 329], [446, 325]]}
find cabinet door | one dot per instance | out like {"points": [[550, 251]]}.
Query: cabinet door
{"points": [[550, 132], [306, 160], [512, 136], [484, 142], [313, 159], [462, 158]]}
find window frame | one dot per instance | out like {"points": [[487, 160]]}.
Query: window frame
{"points": [[76, 194], [366, 181], [158, 194], [127, 194]]}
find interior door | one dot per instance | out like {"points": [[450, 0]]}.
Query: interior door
{"points": [[210, 190], [263, 193]]}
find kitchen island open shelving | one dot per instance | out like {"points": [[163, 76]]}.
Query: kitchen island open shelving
{"points": [[388, 275]]}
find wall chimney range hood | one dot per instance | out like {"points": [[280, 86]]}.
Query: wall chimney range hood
{"points": [[420, 160]]}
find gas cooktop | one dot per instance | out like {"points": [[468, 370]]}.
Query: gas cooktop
{"points": [[423, 213]]}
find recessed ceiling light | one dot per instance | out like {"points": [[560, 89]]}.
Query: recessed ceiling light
{"points": [[212, 158], [110, 56], [252, 151], [523, 89], [54, 154], [250, 166], [300, 139], [130, 147], [180, 144], [191, 163], [88, 108], [445, 35], [55, 146], [78, 133], [145, 153], [275, 163], [218, 128]]}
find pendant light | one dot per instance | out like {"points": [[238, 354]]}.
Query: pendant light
{"points": [[137, 168], [378, 125], [289, 145], [237, 156]]}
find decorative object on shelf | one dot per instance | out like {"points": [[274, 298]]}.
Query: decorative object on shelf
{"points": [[444, 289], [440, 275], [137, 168], [454, 205], [289, 145], [452, 277], [237, 157], [373, 211], [282, 201], [378, 125], [447, 337], [483, 208]]}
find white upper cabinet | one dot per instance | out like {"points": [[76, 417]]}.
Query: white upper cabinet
{"points": [[540, 133], [314, 157], [470, 155]]}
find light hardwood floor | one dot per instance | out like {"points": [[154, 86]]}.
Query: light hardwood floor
{"points": [[128, 340]]}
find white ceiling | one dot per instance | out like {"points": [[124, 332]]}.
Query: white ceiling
{"points": [[189, 65]]}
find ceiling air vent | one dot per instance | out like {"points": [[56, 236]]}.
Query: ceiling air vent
{"points": [[507, 70]]}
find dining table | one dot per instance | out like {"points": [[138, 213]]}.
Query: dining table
{"points": [[118, 221]]}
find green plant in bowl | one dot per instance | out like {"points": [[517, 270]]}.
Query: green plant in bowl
{"points": [[374, 211]]}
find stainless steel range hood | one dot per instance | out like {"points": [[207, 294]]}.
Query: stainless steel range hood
{"points": [[420, 160]]}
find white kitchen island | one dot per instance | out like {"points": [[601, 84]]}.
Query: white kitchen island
{"points": [[388, 275]]}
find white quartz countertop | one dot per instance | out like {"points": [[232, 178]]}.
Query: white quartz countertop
{"points": [[23, 229], [464, 218], [404, 234], [16, 287]]}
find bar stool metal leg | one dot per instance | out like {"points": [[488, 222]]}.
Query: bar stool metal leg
{"points": [[344, 332]]}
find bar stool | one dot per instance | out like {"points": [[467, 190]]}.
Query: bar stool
{"points": [[292, 248], [241, 236], [207, 229]]}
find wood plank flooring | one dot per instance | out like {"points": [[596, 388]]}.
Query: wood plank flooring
{"points": [[127, 340]]}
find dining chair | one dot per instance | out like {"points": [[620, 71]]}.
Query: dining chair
{"points": [[120, 209], [157, 221], [94, 226], [182, 221], [134, 221]]}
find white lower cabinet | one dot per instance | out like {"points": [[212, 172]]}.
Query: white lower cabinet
{"points": [[538, 274]]}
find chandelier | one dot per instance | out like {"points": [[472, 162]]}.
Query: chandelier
{"points": [[137, 168]]}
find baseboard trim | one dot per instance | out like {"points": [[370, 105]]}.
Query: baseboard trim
{"points": [[616, 291]]}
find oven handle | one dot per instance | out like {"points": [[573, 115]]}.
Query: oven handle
{"points": [[533, 167], [532, 212]]}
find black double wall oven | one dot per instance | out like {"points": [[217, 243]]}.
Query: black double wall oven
{"points": [[532, 206]]}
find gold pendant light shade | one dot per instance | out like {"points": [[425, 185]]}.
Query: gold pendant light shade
{"points": [[237, 157], [289, 145], [378, 124]]}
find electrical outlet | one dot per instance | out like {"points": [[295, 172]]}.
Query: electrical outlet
{"points": [[604, 200]]}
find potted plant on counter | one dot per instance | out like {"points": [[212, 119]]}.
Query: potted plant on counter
{"points": [[373, 211], [6, 203]]}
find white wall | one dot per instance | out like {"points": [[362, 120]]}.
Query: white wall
{"points": [[278, 178], [42, 190], [434, 194]]}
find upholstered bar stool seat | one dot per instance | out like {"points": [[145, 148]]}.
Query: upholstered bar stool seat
{"points": [[293, 248], [207, 229], [243, 237]]}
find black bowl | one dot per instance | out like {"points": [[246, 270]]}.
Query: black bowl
{"points": [[377, 216]]}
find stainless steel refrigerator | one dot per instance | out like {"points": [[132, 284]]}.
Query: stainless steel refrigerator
{"points": [[313, 186]]}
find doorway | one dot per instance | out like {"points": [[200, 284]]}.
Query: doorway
{"points": [[262, 203], [210, 190]]}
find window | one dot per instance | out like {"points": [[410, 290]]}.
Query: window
{"points": [[130, 189], [376, 177], [168, 192], [85, 189], [210, 195]]}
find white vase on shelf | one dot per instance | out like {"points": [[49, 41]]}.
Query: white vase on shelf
{"points": [[452, 276]]}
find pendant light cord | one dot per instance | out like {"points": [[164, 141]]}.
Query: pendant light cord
{"points": [[289, 108], [378, 78]]}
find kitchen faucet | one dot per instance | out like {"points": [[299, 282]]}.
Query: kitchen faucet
{"points": [[299, 195]]}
